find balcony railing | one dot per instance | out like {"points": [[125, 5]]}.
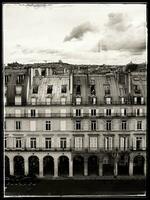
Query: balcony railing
{"points": [[71, 115], [78, 150]]}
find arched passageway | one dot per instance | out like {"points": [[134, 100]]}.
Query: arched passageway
{"points": [[7, 166], [123, 165], [78, 165], [138, 165], [33, 165], [48, 165], [63, 166], [18, 166], [108, 166], [93, 165]]}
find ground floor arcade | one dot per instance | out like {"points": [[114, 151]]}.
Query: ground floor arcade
{"points": [[67, 164]]}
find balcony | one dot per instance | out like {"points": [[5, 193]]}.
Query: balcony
{"points": [[78, 150], [72, 115]]}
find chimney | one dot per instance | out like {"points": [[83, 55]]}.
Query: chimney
{"points": [[129, 82]]}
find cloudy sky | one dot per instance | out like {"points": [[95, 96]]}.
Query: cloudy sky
{"points": [[74, 33]]}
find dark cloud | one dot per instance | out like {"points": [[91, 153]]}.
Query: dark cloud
{"points": [[118, 22], [78, 31]]}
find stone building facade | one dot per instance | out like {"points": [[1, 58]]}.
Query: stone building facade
{"points": [[65, 120]]}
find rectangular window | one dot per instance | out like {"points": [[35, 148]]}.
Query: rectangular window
{"points": [[108, 143], [93, 125], [124, 143], [18, 143], [33, 112], [93, 143], [108, 125], [93, 112], [138, 112], [139, 125], [139, 141], [18, 89], [47, 112], [48, 101], [78, 90], [20, 79], [18, 100], [78, 101], [123, 112], [78, 143], [33, 101], [63, 143], [48, 143], [93, 100], [49, 89], [18, 125], [48, 125], [78, 125], [108, 112], [63, 100], [6, 79], [64, 89], [124, 125], [62, 125], [78, 112], [18, 113], [122, 100], [33, 143]]}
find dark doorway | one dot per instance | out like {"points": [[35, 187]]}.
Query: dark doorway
{"points": [[123, 165], [7, 166], [33, 165], [93, 166], [138, 165], [18, 166], [48, 166], [108, 166], [78, 165], [63, 166]]}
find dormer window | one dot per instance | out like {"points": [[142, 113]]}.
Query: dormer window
{"points": [[137, 89], [93, 91], [20, 79], [35, 90], [78, 90], [107, 89], [49, 89], [64, 89], [43, 72], [108, 100]]}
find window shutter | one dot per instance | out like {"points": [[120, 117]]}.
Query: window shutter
{"points": [[122, 142], [104, 111], [105, 143], [37, 142], [74, 112], [142, 100], [143, 143], [97, 110], [134, 143], [89, 112], [82, 112], [110, 143], [36, 112], [141, 112], [29, 113], [28, 142], [112, 112]]}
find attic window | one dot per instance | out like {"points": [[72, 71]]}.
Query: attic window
{"points": [[36, 72], [20, 79], [49, 89], [137, 89], [35, 90], [93, 92]]}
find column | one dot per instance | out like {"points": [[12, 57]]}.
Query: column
{"points": [[55, 167], [26, 166], [41, 167], [100, 168], [85, 167], [116, 168], [145, 168], [131, 168], [70, 168], [11, 166]]}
